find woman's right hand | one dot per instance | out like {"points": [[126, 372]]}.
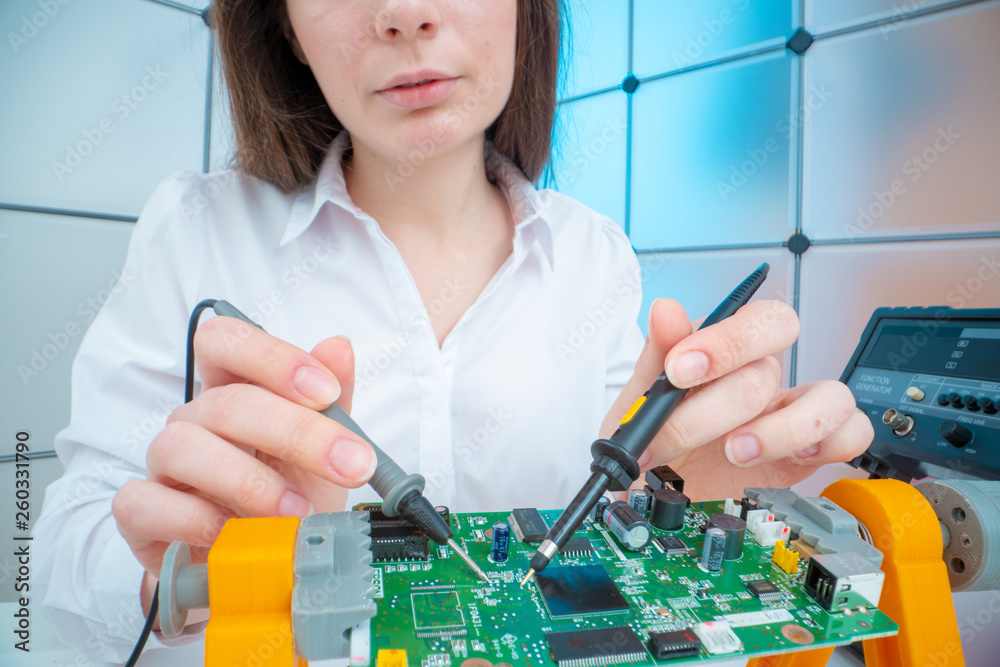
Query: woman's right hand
{"points": [[250, 444]]}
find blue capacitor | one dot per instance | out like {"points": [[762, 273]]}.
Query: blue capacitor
{"points": [[501, 541]]}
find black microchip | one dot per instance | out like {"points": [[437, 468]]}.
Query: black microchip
{"points": [[411, 547], [578, 545], [528, 524], [392, 528], [764, 589], [579, 590], [680, 644], [596, 646], [672, 545]]}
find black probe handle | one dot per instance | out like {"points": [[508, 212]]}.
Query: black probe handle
{"points": [[638, 427], [652, 410]]}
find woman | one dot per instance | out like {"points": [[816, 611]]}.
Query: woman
{"points": [[385, 153]]}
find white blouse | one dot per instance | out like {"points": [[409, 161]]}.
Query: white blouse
{"points": [[501, 415]]}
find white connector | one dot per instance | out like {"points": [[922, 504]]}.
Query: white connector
{"points": [[768, 533]]}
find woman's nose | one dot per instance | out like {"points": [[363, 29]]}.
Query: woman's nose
{"points": [[407, 19]]}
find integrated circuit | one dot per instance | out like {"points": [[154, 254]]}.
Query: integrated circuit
{"points": [[578, 545], [672, 545], [596, 646], [579, 590], [669, 645], [528, 525], [411, 547], [765, 590]]}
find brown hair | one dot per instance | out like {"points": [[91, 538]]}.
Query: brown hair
{"points": [[283, 124]]}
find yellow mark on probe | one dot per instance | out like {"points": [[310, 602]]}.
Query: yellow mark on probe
{"points": [[634, 409]]}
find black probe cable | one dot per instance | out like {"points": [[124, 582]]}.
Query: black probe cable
{"points": [[188, 395], [615, 464]]}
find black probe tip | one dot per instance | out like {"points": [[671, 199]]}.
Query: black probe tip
{"points": [[416, 509], [539, 562]]}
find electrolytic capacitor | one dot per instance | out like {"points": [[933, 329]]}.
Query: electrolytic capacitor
{"points": [[640, 500], [597, 514], [668, 509], [715, 549], [735, 530], [630, 529], [501, 541]]}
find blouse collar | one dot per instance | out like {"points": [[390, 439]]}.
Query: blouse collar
{"points": [[525, 201]]}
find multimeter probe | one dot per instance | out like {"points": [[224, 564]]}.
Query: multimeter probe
{"points": [[615, 464]]}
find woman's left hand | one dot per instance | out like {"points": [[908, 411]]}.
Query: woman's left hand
{"points": [[737, 427]]}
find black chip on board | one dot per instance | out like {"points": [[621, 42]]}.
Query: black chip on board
{"points": [[579, 590], [578, 545], [764, 589], [596, 646], [528, 525], [672, 545], [411, 547], [669, 645]]}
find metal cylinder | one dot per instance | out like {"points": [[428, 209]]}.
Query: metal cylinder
{"points": [[597, 514], [640, 500], [735, 529], [969, 513], [715, 549], [631, 530], [501, 542], [668, 509]]}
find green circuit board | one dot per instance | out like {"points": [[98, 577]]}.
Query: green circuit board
{"points": [[442, 615]]}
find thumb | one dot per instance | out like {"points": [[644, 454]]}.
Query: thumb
{"points": [[337, 354], [668, 325]]}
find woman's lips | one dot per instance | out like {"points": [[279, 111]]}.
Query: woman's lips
{"points": [[420, 96]]}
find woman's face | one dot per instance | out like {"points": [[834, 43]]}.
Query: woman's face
{"points": [[359, 50]]}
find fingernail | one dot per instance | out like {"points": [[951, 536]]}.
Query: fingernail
{"points": [[811, 450], [688, 368], [352, 459], [742, 449], [316, 385], [649, 320], [645, 459], [292, 504]]}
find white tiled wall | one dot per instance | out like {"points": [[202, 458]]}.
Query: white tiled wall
{"points": [[718, 164]]}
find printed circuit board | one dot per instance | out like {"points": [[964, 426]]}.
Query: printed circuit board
{"points": [[599, 603]]}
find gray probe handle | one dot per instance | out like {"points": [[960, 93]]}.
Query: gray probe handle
{"points": [[389, 480]]}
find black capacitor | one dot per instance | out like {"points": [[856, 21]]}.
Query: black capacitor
{"points": [[501, 541], [597, 514], [715, 549], [640, 500], [735, 530], [631, 529], [668, 509]]}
